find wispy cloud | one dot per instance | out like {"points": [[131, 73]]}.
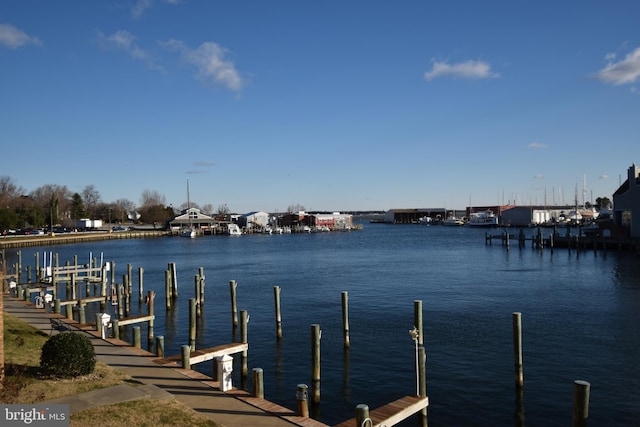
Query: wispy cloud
{"points": [[465, 70], [622, 72], [14, 38], [124, 40], [211, 63], [603, 176], [139, 7], [536, 146], [538, 176]]}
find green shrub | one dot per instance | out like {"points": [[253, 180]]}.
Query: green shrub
{"points": [[68, 354]]}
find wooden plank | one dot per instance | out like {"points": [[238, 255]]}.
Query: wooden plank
{"points": [[394, 412], [134, 319], [205, 354]]}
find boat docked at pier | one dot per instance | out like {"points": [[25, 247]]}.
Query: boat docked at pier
{"points": [[453, 221], [483, 219]]}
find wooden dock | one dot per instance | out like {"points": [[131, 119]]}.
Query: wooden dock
{"points": [[392, 413]]}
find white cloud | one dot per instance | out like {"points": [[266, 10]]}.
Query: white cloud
{"points": [[138, 8], [211, 63], [625, 71], [538, 176], [536, 146], [467, 70], [604, 176], [124, 40], [14, 38]]}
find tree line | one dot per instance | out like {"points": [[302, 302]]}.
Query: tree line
{"points": [[54, 205]]}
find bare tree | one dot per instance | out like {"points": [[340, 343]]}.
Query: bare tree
{"points": [[90, 197], [9, 191], [122, 208], [295, 208], [152, 198]]}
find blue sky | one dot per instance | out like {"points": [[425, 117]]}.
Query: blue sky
{"points": [[331, 105]]}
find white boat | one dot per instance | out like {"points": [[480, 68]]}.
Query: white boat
{"points": [[453, 221], [233, 230], [483, 219], [188, 232]]}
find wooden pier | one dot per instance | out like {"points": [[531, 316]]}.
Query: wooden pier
{"points": [[566, 240]]}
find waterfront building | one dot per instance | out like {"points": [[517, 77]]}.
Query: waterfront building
{"points": [[192, 217], [626, 202], [253, 220]]}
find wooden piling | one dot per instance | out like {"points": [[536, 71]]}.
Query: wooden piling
{"points": [[167, 289], [276, 297], [196, 285], [362, 415], [160, 346], [417, 320], [258, 383], [234, 305], [127, 296], [422, 358], [186, 357], [174, 280], [316, 334], [99, 323], [136, 336], [140, 284], [115, 327], [581, 391], [302, 394], [202, 283], [82, 317], [345, 319], [517, 349], [151, 297], [244, 338], [192, 323]]}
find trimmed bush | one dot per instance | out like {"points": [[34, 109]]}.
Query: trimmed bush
{"points": [[68, 354]]}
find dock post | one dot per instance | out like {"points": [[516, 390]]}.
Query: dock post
{"points": [[258, 383], [196, 286], [362, 415], [160, 346], [186, 357], [115, 328], [136, 336], [517, 349], [581, 391], [140, 284], [56, 306], [345, 319], [82, 317], [244, 316], [69, 309], [192, 323], [316, 334], [422, 357], [99, 323], [234, 306], [302, 394], [174, 280], [201, 274], [28, 274], [151, 297], [276, 297], [167, 288]]}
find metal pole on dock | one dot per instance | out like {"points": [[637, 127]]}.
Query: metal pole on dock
{"points": [[276, 297], [316, 334], [345, 319]]}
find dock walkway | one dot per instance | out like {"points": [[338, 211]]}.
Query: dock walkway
{"points": [[235, 408]]}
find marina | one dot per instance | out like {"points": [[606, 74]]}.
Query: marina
{"points": [[385, 268]]}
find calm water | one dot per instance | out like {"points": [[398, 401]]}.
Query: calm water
{"points": [[580, 315]]}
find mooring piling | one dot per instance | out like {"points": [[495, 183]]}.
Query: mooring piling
{"points": [[316, 335], [302, 395], [234, 304], [345, 319], [276, 297], [517, 349], [581, 392]]}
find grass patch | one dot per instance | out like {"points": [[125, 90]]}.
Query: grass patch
{"points": [[24, 383], [142, 413]]}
